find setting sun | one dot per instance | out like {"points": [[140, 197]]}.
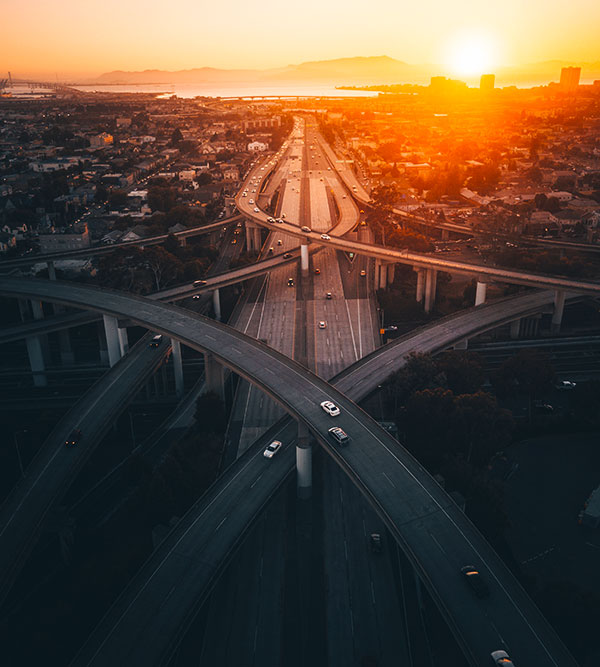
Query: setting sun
{"points": [[471, 54]]}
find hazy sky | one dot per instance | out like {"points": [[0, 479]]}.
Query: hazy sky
{"points": [[70, 37]]}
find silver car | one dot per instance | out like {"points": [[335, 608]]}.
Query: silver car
{"points": [[272, 449]]}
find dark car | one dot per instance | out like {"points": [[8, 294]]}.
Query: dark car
{"points": [[340, 436], [475, 581], [287, 255], [375, 543], [74, 437]]}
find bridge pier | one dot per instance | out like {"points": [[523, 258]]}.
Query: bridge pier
{"points": [[515, 328], [102, 347], [253, 237], [559, 307], [214, 378], [257, 238], [51, 270], [35, 344], [462, 344], [445, 235], [391, 270], [382, 273], [36, 361], [113, 343], [177, 366], [480, 292], [67, 355], [304, 259], [430, 288], [216, 299], [420, 284], [182, 241], [303, 463], [123, 340]]}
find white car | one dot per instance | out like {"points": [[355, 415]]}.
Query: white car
{"points": [[270, 219], [256, 210], [306, 229], [566, 384], [322, 325], [330, 408], [326, 237], [251, 201], [272, 449]]}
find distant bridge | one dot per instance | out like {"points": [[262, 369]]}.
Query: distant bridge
{"points": [[10, 82]]}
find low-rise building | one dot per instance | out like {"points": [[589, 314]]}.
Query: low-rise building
{"points": [[72, 238]]}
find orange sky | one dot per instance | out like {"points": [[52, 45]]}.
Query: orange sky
{"points": [[88, 37]]}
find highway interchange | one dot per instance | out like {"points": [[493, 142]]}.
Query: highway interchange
{"points": [[423, 517]]}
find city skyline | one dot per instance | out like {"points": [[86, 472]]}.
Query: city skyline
{"points": [[69, 40]]}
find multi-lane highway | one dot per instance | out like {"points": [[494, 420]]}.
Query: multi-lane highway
{"points": [[347, 460], [433, 532], [54, 468], [481, 271]]}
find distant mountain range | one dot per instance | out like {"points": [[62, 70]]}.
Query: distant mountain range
{"points": [[371, 70]]}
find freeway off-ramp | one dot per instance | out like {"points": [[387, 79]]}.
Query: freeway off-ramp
{"points": [[432, 531]]}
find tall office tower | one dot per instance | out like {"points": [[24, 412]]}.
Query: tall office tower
{"points": [[486, 83], [569, 78]]}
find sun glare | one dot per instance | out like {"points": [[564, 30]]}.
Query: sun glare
{"points": [[470, 54]]}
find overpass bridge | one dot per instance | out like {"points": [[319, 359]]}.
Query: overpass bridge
{"points": [[432, 531], [94, 251]]}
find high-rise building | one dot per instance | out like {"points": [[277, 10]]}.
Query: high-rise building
{"points": [[487, 82], [569, 78]]}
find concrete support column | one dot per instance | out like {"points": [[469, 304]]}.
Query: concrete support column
{"points": [[37, 311], [380, 274], [177, 366], [111, 331], [214, 378], [304, 259], [515, 327], [480, 293], [249, 236], [257, 239], [391, 269], [559, 307], [420, 284], [51, 270], [303, 463], [430, 288], [66, 351], [182, 241], [445, 235], [102, 344], [24, 310], [36, 360], [462, 345], [216, 298], [123, 341]]}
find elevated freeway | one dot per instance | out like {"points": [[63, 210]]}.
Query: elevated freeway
{"points": [[94, 251], [418, 260], [431, 530], [52, 471]]}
